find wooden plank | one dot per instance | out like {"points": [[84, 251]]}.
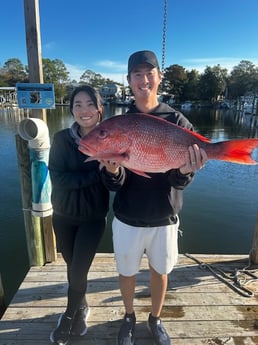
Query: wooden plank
{"points": [[111, 285], [193, 332], [186, 341], [218, 292], [113, 312]]}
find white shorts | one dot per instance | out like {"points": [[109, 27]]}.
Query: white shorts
{"points": [[130, 243]]}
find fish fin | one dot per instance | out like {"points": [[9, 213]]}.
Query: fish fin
{"points": [[195, 134], [119, 159], [238, 151], [89, 159]]}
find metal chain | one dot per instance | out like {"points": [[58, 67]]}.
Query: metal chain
{"points": [[164, 34]]}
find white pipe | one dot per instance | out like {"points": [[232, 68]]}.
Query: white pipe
{"points": [[36, 132]]}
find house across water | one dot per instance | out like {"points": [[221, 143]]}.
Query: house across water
{"points": [[8, 96]]}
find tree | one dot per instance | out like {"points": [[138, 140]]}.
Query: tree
{"points": [[3, 81], [63, 78], [213, 83], [13, 71], [55, 72], [91, 78], [243, 79], [191, 87], [175, 78], [48, 71]]}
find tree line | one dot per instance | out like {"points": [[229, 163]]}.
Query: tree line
{"points": [[54, 72], [214, 83]]}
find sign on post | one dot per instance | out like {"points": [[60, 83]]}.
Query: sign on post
{"points": [[35, 95]]}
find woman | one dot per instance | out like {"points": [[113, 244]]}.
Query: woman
{"points": [[80, 206]]}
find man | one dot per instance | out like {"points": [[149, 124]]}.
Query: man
{"points": [[146, 209]]}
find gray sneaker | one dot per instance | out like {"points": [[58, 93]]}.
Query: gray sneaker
{"points": [[62, 332], [157, 330], [79, 326], [126, 332]]}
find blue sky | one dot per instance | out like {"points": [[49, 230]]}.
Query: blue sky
{"points": [[99, 35]]}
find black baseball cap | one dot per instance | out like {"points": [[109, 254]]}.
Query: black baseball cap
{"points": [[141, 57]]}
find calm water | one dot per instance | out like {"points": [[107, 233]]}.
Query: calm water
{"points": [[219, 211]]}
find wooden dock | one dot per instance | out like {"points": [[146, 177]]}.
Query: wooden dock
{"points": [[199, 308]]}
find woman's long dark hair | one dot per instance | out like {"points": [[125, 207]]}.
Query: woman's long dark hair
{"points": [[94, 95]]}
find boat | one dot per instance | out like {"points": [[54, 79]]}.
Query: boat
{"points": [[249, 108], [123, 102], [186, 105]]}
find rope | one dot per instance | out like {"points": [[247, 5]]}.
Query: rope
{"points": [[164, 35], [233, 280]]}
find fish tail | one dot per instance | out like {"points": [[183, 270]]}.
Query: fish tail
{"points": [[237, 151]]}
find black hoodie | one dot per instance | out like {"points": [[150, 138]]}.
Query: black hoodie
{"points": [[77, 189], [144, 202]]}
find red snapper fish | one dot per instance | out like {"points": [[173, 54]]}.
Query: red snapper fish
{"points": [[148, 144]]}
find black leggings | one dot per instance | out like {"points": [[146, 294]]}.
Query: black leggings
{"points": [[78, 242]]}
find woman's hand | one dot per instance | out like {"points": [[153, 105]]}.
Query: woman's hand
{"points": [[111, 167]]}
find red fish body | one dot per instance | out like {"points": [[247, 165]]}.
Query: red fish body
{"points": [[146, 143]]}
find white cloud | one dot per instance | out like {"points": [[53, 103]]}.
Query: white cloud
{"points": [[118, 70], [112, 65], [77, 71], [49, 45], [118, 77]]}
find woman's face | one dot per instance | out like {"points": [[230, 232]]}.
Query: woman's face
{"points": [[85, 112]]}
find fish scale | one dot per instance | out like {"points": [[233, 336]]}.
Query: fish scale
{"points": [[150, 148]]}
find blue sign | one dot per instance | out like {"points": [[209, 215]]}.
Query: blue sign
{"points": [[35, 95]]}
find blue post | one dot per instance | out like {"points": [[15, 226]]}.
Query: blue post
{"points": [[41, 186], [36, 132]]}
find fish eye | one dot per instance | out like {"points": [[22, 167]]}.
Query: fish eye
{"points": [[102, 134]]}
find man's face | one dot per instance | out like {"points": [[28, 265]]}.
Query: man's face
{"points": [[144, 81]]}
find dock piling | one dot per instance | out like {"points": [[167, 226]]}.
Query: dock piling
{"points": [[254, 251]]}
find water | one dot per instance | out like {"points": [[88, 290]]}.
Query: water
{"points": [[220, 206], [13, 250]]}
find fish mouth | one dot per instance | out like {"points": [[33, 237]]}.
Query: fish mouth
{"points": [[86, 149]]}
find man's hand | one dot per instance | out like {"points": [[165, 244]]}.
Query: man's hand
{"points": [[195, 160]]}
